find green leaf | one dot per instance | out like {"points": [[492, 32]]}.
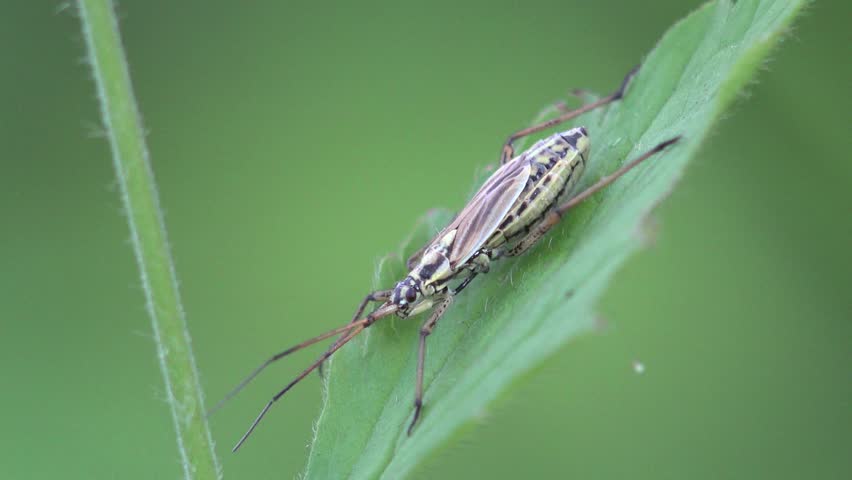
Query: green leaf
{"points": [[509, 321]]}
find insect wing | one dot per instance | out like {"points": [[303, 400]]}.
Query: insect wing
{"points": [[487, 209]]}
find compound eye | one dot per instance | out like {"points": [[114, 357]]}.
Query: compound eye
{"points": [[410, 295]]}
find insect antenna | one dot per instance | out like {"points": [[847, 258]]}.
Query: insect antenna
{"points": [[278, 356], [353, 328]]}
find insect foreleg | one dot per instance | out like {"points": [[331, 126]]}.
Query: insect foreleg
{"points": [[553, 217], [509, 150], [425, 330]]}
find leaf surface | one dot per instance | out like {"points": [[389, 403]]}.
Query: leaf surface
{"points": [[511, 320]]}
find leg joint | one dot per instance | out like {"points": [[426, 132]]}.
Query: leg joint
{"points": [[426, 329]]}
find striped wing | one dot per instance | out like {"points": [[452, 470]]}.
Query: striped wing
{"points": [[487, 209]]}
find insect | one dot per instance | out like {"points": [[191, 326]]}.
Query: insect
{"points": [[523, 199]]}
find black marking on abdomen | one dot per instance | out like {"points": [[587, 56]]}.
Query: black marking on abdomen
{"points": [[533, 179], [535, 193], [528, 226], [572, 139]]}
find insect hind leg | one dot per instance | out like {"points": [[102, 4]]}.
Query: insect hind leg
{"points": [[508, 151], [553, 217]]}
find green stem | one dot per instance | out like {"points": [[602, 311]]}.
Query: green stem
{"points": [[139, 194]]}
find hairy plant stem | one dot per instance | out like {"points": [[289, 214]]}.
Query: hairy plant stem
{"points": [[139, 195]]}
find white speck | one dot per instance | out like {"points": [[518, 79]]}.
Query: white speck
{"points": [[638, 367]]}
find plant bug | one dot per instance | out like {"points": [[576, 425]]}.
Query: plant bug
{"points": [[523, 199]]}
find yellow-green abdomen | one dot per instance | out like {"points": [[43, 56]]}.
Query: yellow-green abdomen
{"points": [[558, 163]]}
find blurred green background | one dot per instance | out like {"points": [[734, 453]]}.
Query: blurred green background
{"points": [[295, 144]]}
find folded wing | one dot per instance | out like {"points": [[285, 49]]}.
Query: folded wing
{"points": [[487, 209]]}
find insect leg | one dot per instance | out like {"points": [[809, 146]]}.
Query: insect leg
{"points": [[377, 296], [509, 150], [556, 214], [425, 330]]}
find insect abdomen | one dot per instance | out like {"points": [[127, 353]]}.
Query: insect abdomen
{"points": [[558, 161]]}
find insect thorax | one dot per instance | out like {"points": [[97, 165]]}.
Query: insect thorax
{"points": [[434, 268], [431, 274]]}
